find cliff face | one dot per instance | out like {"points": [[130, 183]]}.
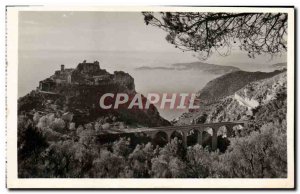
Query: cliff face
{"points": [[81, 97], [266, 96], [125, 80], [245, 101]]}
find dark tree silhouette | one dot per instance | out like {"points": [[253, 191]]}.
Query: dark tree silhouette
{"points": [[205, 33]]}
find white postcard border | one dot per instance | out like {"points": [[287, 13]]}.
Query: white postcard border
{"points": [[12, 82]]}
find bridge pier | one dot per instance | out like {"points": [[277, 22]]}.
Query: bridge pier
{"points": [[214, 139], [184, 139], [169, 136], [200, 138]]}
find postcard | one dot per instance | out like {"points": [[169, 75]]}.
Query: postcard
{"points": [[150, 97]]}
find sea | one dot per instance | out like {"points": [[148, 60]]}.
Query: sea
{"points": [[38, 65]]}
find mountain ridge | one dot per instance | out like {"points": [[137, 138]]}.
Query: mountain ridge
{"points": [[199, 66]]}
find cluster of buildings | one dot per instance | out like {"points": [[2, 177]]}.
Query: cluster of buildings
{"points": [[85, 73]]}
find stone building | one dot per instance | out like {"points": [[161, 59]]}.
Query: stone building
{"points": [[84, 74], [101, 78], [63, 76], [85, 67], [47, 85]]}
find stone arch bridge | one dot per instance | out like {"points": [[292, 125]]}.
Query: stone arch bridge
{"points": [[214, 128]]}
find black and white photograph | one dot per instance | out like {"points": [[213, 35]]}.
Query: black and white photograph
{"points": [[150, 97]]}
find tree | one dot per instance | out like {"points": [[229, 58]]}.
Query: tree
{"points": [[87, 138], [109, 165], [169, 162], [140, 160], [31, 143], [205, 33], [121, 147], [262, 154], [200, 161]]}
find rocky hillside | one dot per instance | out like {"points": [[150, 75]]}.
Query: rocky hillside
{"points": [[262, 101], [229, 83], [246, 101], [81, 98]]}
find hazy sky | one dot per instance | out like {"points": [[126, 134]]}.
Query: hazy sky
{"points": [[106, 31], [89, 31]]}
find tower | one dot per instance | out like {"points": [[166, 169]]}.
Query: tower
{"points": [[97, 64], [62, 67]]}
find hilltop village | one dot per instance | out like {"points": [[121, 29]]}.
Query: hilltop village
{"points": [[84, 74], [74, 93]]}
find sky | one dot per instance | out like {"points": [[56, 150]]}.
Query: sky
{"points": [[106, 31], [89, 31]]}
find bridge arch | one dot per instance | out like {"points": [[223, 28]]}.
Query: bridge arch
{"points": [[140, 138], [176, 133], [223, 131], [230, 130], [194, 136], [181, 135], [160, 138], [210, 136]]}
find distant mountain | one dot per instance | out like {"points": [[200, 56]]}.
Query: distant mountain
{"points": [[229, 83], [279, 66], [198, 66], [155, 68], [206, 67]]}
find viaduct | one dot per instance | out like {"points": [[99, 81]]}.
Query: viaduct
{"points": [[168, 131]]}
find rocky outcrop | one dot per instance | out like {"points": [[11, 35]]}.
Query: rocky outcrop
{"points": [[81, 97], [249, 103], [124, 79]]}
